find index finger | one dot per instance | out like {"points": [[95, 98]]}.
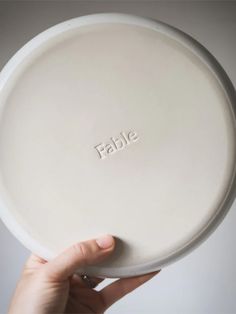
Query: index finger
{"points": [[119, 288]]}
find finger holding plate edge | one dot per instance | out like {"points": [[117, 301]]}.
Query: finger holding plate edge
{"points": [[119, 288]]}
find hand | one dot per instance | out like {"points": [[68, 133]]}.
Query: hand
{"points": [[53, 287]]}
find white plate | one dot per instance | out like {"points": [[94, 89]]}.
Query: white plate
{"points": [[113, 123]]}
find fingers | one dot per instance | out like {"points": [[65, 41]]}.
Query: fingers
{"points": [[119, 288], [79, 255]]}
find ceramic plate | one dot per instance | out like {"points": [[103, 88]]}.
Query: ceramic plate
{"points": [[112, 123]]}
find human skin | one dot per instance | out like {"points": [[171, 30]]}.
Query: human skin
{"points": [[53, 287]]}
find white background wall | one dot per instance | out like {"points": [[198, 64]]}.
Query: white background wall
{"points": [[204, 282]]}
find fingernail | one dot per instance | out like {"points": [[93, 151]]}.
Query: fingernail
{"points": [[105, 242]]}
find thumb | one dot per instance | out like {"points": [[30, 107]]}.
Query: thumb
{"points": [[79, 255]]}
